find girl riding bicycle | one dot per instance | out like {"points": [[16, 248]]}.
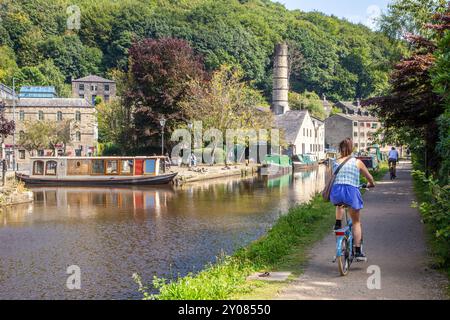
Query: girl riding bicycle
{"points": [[345, 191]]}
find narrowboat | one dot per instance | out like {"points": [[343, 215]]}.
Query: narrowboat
{"points": [[305, 162], [97, 171], [276, 165]]}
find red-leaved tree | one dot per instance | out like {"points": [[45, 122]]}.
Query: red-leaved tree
{"points": [[159, 75]]}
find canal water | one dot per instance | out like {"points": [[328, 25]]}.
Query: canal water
{"points": [[111, 233]]}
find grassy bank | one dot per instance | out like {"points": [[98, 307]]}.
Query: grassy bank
{"points": [[293, 232], [284, 247], [434, 205]]}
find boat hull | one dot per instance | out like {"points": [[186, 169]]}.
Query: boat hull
{"points": [[94, 181]]}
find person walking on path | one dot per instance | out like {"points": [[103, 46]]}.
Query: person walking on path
{"points": [[399, 259]]}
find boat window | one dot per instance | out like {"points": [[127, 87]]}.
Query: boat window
{"points": [[38, 168], [50, 168], [112, 167], [98, 167], [150, 166], [126, 166]]}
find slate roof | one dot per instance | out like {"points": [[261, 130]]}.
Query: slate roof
{"points": [[93, 78], [52, 102], [290, 122], [358, 117]]}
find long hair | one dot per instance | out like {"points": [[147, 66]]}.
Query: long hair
{"points": [[346, 147]]}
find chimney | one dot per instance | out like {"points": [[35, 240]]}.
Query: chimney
{"points": [[358, 102], [280, 94]]}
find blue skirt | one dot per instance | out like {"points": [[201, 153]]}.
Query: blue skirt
{"points": [[344, 193]]}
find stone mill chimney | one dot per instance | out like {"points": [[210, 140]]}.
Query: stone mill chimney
{"points": [[280, 92]]}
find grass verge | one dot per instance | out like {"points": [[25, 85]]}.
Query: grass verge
{"points": [[284, 247]]}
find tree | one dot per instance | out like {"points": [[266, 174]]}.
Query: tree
{"points": [[226, 102], [6, 126], [113, 122], [159, 76], [38, 135], [8, 64], [409, 16], [414, 106], [44, 74], [307, 101]]}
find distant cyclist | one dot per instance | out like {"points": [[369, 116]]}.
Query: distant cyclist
{"points": [[393, 158], [345, 191]]}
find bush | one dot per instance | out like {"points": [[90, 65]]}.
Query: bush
{"points": [[435, 209]]}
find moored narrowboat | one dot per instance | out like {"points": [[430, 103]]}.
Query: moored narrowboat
{"points": [[97, 171]]}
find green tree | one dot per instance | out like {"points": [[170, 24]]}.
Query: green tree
{"points": [[309, 101]]}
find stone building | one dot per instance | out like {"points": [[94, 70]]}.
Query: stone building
{"points": [[93, 86], [302, 133], [360, 128], [83, 125]]}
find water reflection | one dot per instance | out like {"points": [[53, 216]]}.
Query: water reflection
{"points": [[111, 233]]}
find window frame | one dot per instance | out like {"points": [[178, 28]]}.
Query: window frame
{"points": [[41, 113], [35, 165], [117, 167], [91, 172], [126, 173], [46, 168]]}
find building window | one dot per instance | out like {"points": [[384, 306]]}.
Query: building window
{"points": [[81, 96], [355, 134], [362, 134], [106, 87], [368, 124], [93, 87], [41, 115], [22, 115], [21, 154], [361, 124], [59, 116], [21, 135], [106, 98], [81, 87], [77, 116], [40, 153], [78, 136], [374, 125], [356, 145], [363, 145], [355, 124]]}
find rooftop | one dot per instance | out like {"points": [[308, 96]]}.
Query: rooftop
{"points": [[290, 122], [52, 102], [358, 117], [37, 92], [93, 78]]}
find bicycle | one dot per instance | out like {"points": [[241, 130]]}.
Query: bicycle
{"points": [[345, 252], [393, 169]]}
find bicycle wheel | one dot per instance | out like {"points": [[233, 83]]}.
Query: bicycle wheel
{"points": [[343, 260]]}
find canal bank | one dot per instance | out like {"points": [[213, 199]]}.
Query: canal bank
{"points": [[188, 175], [285, 247], [14, 193]]}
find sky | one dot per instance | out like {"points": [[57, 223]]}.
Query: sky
{"points": [[358, 11]]}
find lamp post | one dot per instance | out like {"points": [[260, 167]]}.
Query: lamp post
{"points": [[162, 122]]}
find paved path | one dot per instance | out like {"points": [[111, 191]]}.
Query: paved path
{"points": [[393, 240]]}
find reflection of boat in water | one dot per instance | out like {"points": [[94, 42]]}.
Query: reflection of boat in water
{"points": [[97, 171]]}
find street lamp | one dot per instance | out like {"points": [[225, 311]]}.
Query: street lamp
{"points": [[162, 122]]}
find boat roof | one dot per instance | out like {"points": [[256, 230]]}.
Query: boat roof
{"points": [[96, 158]]}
